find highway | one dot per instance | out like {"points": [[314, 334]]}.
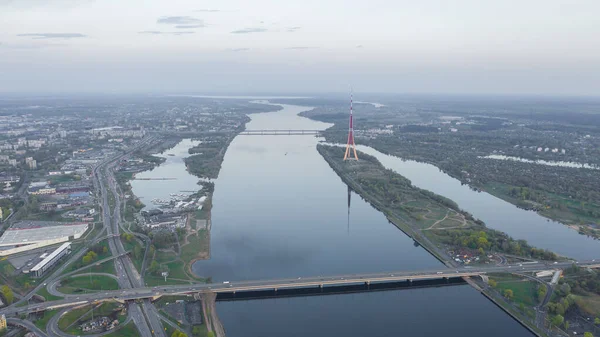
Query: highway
{"points": [[145, 317], [147, 293]]}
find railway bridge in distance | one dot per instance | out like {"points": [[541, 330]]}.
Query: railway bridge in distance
{"points": [[273, 132]]}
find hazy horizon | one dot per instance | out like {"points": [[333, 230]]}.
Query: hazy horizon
{"points": [[465, 47]]}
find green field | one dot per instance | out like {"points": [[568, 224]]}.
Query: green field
{"points": [[45, 317], [589, 304], [44, 292], [524, 290], [83, 284]]}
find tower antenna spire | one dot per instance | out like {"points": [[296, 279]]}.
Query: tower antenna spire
{"points": [[351, 145]]}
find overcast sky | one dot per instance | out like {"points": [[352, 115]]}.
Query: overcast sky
{"points": [[402, 46]]}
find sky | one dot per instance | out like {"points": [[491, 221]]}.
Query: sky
{"points": [[548, 47]]}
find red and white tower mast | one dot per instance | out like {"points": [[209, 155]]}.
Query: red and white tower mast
{"points": [[348, 155]]}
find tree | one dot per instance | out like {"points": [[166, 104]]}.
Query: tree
{"points": [[557, 320], [587, 334], [178, 333], [597, 321], [508, 293], [542, 291], [154, 267], [104, 250], [7, 294], [492, 283]]}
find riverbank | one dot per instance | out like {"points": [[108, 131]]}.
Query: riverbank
{"points": [[432, 220], [383, 188]]}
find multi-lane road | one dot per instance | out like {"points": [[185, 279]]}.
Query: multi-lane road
{"points": [[146, 293], [145, 316]]}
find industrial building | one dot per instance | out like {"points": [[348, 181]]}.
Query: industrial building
{"points": [[28, 235], [49, 261]]}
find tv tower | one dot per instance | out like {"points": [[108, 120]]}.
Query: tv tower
{"points": [[347, 155]]}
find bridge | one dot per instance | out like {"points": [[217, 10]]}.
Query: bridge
{"points": [[233, 287], [281, 132]]}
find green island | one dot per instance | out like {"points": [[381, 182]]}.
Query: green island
{"points": [[464, 147], [432, 220], [438, 225]]}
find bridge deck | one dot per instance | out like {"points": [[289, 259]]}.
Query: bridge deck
{"points": [[291, 283]]}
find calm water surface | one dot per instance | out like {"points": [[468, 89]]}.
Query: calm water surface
{"points": [[173, 167], [495, 212], [280, 211]]}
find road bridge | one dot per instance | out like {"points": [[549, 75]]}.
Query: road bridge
{"points": [[280, 132], [231, 287]]}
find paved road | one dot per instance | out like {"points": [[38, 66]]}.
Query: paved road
{"points": [[55, 283], [27, 325], [340, 280]]}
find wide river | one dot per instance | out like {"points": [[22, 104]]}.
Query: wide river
{"points": [[280, 211]]}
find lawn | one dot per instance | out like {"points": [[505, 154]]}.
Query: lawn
{"points": [[49, 297], [162, 257], [43, 321], [84, 284], [524, 290]]}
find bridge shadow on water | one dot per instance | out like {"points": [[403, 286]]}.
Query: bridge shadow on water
{"points": [[338, 290]]}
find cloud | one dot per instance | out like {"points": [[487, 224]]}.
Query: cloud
{"points": [[208, 10], [181, 22], [53, 35], [189, 26], [238, 49], [250, 30], [292, 29], [301, 48], [156, 32], [360, 46], [31, 45]]}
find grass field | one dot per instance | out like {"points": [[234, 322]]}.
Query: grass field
{"points": [[49, 297], [84, 284], [45, 317], [524, 290], [589, 304]]}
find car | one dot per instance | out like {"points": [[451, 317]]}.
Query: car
{"points": [[439, 272]]}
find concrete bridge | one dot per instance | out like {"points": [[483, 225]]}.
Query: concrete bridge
{"points": [[271, 286], [280, 132]]}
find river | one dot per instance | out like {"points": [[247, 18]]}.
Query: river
{"points": [[280, 211], [174, 168], [495, 212]]}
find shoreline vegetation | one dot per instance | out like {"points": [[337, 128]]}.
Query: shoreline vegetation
{"points": [[192, 242], [435, 222], [439, 226], [563, 194]]}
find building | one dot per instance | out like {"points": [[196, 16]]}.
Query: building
{"points": [[49, 261], [42, 191], [2, 322], [27, 235]]}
